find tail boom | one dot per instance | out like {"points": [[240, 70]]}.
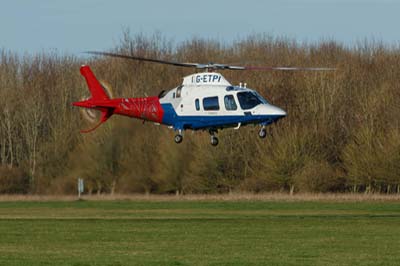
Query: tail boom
{"points": [[148, 108]]}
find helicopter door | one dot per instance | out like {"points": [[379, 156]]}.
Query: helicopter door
{"points": [[178, 95]]}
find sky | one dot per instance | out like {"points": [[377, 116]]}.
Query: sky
{"points": [[74, 26]]}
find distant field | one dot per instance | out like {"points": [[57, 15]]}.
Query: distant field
{"points": [[199, 232]]}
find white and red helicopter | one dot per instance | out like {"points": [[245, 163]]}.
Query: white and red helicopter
{"points": [[204, 101]]}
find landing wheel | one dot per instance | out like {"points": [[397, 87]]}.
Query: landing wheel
{"points": [[178, 138], [262, 133], [214, 140]]}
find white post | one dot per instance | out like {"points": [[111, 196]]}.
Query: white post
{"points": [[80, 187]]}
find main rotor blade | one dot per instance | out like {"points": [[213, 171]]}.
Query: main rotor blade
{"points": [[289, 68], [138, 58], [210, 65]]}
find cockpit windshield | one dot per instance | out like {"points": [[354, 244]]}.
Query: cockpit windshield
{"points": [[250, 99], [260, 98]]}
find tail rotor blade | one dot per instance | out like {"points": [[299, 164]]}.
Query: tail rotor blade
{"points": [[107, 88], [90, 115], [105, 114]]}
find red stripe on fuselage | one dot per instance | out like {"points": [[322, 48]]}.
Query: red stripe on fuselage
{"points": [[148, 108]]}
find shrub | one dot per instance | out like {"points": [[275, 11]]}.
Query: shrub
{"points": [[13, 181]]}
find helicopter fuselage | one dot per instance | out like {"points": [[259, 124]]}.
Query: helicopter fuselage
{"points": [[207, 100]]}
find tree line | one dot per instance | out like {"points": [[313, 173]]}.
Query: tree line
{"points": [[342, 132]]}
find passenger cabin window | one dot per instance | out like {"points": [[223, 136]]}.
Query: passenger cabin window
{"points": [[179, 91], [211, 104], [250, 99], [197, 104], [230, 104]]}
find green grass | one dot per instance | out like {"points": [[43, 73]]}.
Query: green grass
{"points": [[199, 233]]}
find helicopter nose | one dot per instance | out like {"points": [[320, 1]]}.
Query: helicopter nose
{"points": [[273, 110], [280, 112]]}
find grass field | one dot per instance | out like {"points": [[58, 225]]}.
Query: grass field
{"points": [[199, 232]]}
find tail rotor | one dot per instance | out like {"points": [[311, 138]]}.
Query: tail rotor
{"points": [[92, 116], [99, 105]]}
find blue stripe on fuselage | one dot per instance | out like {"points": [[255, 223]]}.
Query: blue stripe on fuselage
{"points": [[205, 121]]}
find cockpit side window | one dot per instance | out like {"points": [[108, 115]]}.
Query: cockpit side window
{"points": [[230, 104], [248, 100]]}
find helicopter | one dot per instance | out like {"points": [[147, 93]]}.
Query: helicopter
{"points": [[204, 101]]}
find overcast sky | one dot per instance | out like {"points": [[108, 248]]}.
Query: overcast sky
{"points": [[79, 25]]}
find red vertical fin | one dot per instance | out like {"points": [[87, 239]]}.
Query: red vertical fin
{"points": [[94, 85]]}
